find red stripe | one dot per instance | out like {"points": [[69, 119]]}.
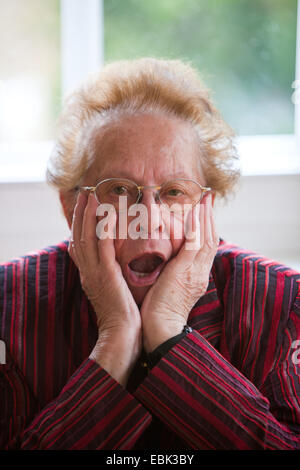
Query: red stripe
{"points": [[25, 317], [4, 302], [85, 325], [207, 371], [179, 425], [121, 433], [201, 309], [74, 404], [252, 316], [131, 432], [215, 378], [71, 345], [247, 294], [261, 321], [49, 340], [103, 425], [16, 322], [13, 395], [199, 409], [241, 307], [235, 404], [270, 353], [72, 385], [240, 398], [226, 367], [288, 393], [13, 298], [35, 337]]}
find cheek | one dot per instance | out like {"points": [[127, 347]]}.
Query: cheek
{"points": [[119, 248], [176, 229]]}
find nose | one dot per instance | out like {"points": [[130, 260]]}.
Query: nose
{"points": [[151, 217]]}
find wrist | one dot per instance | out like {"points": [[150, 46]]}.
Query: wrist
{"points": [[157, 333], [154, 357], [117, 354]]}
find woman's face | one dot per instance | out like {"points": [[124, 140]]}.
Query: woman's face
{"points": [[150, 150]]}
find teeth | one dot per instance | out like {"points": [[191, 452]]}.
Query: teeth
{"points": [[140, 274]]}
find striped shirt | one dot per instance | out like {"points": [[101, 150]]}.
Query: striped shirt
{"points": [[231, 383]]}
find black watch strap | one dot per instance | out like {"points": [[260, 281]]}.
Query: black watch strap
{"points": [[153, 357], [148, 361]]}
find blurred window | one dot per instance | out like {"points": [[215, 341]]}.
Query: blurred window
{"points": [[245, 51], [29, 69]]}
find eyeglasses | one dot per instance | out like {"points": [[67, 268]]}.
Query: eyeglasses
{"points": [[173, 194]]}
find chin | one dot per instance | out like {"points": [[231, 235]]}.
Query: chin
{"points": [[139, 293]]}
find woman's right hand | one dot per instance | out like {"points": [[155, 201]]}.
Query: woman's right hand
{"points": [[119, 323]]}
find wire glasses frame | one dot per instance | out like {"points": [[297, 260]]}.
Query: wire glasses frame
{"points": [[139, 188]]}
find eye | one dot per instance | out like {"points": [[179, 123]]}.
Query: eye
{"points": [[174, 192], [119, 190]]}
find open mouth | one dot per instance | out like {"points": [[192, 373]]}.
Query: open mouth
{"points": [[145, 269]]}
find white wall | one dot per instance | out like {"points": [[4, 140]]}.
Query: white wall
{"points": [[264, 216]]}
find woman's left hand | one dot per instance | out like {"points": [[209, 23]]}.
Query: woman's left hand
{"points": [[183, 281]]}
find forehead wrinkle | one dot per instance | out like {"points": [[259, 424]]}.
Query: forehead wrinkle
{"points": [[128, 132], [121, 142]]}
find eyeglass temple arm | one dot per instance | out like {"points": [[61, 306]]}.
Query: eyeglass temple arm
{"points": [[93, 188], [88, 188]]}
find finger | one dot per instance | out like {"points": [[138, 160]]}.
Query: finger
{"points": [[207, 222], [77, 226], [215, 235], [192, 236], [202, 225], [106, 232], [71, 251], [88, 232], [209, 245]]}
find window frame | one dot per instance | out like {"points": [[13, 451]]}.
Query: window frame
{"points": [[82, 29]]}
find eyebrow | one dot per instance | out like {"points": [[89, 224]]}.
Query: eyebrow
{"points": [[125, 175]]}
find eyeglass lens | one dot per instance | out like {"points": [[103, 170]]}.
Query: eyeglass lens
{"points": [[175, 192]]}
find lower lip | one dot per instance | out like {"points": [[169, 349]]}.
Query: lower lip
{"points": [[137, 281]]}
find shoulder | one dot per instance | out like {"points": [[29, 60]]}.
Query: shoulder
{"points": [[255, 290], [47, 251], [260, 298], [33, 263], [234, 263]]}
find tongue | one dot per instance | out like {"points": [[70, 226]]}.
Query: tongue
{"points": [[145, 263]]}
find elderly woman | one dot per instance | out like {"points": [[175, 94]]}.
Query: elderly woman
{"points": [[145, 330]]}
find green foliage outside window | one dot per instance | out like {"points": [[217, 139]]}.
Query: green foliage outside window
{"points": [[245, 51]]}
